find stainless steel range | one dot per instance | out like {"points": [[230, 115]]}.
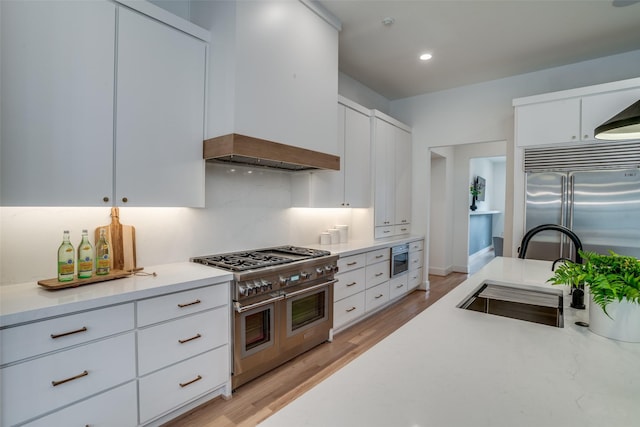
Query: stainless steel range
{"points": [[283, 304]]}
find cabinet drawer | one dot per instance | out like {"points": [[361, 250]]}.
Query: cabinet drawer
{"points": [[42, 337], [351, 262], [378, 256], [415, 260], [349, 283], [28, 388], [418, 245], [169, 388], [98, 410], [167, 307], [348, 309], [398, 286], [377, 273], [376, 296], [415, 278], [401, 229], [167, 343], [385, 231]]}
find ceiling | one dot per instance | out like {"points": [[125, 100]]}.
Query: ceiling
{"points": [[476, 40]]}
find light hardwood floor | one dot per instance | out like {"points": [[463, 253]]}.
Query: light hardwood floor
{"points": [[258, 399]]}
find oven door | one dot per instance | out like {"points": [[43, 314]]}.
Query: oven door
{"points": [[308, 316], [255, 345], [399, 259]]}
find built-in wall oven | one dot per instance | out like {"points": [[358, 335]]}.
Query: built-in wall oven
{"points": [[281, 309], [399, 259]]}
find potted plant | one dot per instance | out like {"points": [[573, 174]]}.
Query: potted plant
{"points": [[475, 192], [614, 285]]}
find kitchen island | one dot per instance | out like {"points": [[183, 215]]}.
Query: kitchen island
{"points": [[454, 367]]}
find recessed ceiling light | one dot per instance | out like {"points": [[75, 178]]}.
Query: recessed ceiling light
{"points": [[425, 57], [388, 21]]}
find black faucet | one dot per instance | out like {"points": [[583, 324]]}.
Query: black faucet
{"points": [[555, 227]]}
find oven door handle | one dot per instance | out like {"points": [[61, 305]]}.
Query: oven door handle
{"points": [[243, 308], [309, 289]]}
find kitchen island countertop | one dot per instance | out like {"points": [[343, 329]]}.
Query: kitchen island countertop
{"points": [[454, 367]]}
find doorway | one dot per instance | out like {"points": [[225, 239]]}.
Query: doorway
{"points": [[452, 172]]}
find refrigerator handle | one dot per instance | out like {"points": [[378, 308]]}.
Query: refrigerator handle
{"points": [[563, 211], [570, 215]]}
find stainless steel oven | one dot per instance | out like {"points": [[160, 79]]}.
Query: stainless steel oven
{"points": [[283, 305], [399, 259]]}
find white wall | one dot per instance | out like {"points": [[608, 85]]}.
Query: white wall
{"points": [[483, 112], [361, 94], [440, 247], [243, 211]]}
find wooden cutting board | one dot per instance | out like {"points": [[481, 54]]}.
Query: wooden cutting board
{"points": [[123, 242]]}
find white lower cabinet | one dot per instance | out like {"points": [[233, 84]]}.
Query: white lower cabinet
{"points": [[398, 286], [348, 309], [376, 296], [128, 364], [170, 388], [98, 411], [364, 285], [41, 385]]}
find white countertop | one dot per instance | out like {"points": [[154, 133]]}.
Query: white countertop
{"points": [[454, 367], [27, 302], [358, 246]]}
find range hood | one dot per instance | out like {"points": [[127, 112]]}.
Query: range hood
{"points": [[246, 150]]}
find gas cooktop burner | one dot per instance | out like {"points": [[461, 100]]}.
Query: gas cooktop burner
{"points": [[249, 260]]}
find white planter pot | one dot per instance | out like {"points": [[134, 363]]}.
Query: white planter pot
{"points": [[624, 324]]}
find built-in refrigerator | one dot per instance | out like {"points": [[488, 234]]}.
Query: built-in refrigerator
{"points": [[601, 205]]}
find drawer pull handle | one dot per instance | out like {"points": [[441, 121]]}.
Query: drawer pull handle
{"points": [[350, 309], [378, 296], [56, 383], [351, 284], [379, 256], [386, 231], [349, 264], [198, 378], [379, 274], [399, 286], [189, 303], [190, 339], [64, 334]]}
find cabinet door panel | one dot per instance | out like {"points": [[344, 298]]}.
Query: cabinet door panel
{"points": [[160, 114], [349, 283], [98, 410], [357, 160], [597, 109], [57, 103], [402, 143], [88, 369], [548, 122], [384, 173]]}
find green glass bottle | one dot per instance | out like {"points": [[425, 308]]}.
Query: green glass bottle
{"points": [[66, 257], [103, 255], [85, 257]]}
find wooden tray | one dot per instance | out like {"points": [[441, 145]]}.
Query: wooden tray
{"points": [[54, 284]]}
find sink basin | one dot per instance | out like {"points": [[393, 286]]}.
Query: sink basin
{"points": [[542, 306]]}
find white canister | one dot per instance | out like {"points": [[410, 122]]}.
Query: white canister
{"points": [[325, 238], [335, 235], [344, 233]]}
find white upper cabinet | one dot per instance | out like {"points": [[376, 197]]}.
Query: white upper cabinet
{"points": [[384, 173], [350, 187], [357, 159], [571, 116], [160, 114], [402, 177], [597, 109], [548, 122], [65, 73], [57, 102], [273, 72]]}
